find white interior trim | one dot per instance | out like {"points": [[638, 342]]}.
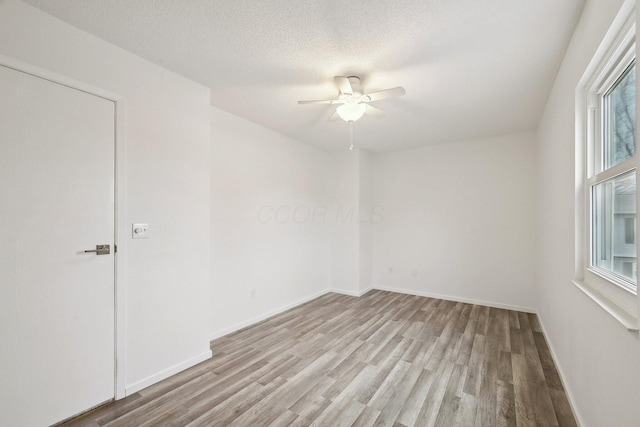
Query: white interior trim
{"points": [[121, 240], [119, 200], [272, 313], [612, 55], [58, 78], [627, 320], [351, 293], [458, 299], [261, 317], [567, 391], [166, 373]]}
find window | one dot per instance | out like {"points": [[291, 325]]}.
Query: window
{"points": [[630, 230], [606, 174], [613, 205], [611, 176], [619, 117], [628, 268]]}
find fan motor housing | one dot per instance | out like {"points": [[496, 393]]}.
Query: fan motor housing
{"points": [[355, 85]]}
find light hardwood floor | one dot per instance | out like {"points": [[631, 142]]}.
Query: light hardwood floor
{"points": [[382, 359]]}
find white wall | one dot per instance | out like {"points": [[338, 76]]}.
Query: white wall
{"points": [[344, 229], [598, 358], [167, 185], [365, 219], [270, 215], [350, 220], [458, 220]]}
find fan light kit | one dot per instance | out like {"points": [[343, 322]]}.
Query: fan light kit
{"points": [[351, 112], [354, 103]]}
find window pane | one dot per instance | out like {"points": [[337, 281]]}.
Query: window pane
{"points": [[629, 230], [620, 116], [614, 215]]}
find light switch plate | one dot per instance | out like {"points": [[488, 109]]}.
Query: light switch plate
{"points": [[140, 231]]}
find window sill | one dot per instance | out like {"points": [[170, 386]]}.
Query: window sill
{"points": [[627, 320]]}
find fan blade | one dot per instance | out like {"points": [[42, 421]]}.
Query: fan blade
{"points": [[373, 111], [387, 93], [325, 101], [344, 85]]}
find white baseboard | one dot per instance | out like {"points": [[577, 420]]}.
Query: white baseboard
{"points": [[152, 379], [567, 390], [351, 293], [279, 310], [266, 315], [157, 377], [458, 299]]}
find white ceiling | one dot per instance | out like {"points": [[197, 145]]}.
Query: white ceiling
{"points": [[471, 68]]}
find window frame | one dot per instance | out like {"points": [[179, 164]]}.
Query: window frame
{"points": [[610, 72], [614, 278], [615, 54]]}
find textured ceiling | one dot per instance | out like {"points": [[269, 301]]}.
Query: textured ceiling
{"points": [[471, 68]]}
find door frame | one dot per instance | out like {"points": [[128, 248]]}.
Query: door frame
{"points": [[120, 234]]}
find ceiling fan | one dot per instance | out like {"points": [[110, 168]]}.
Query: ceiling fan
{"points": [[354, 103]]}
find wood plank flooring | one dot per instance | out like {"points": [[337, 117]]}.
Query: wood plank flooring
{"points": [[384, 359]]}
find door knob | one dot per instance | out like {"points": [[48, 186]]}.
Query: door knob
{"points": [[101, 250]]}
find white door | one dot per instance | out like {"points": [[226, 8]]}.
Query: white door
{"points": [[56, 200]]}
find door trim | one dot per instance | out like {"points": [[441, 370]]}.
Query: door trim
{"points": [[120, 237]]}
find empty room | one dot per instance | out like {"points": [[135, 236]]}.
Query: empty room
{"points": [[318, 213]]}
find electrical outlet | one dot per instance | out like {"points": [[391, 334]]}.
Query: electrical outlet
{"points": [[390, 270], [414, 273], [252, 293]]}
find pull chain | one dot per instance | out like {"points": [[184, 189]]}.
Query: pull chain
{"points": [[350, 135]]}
